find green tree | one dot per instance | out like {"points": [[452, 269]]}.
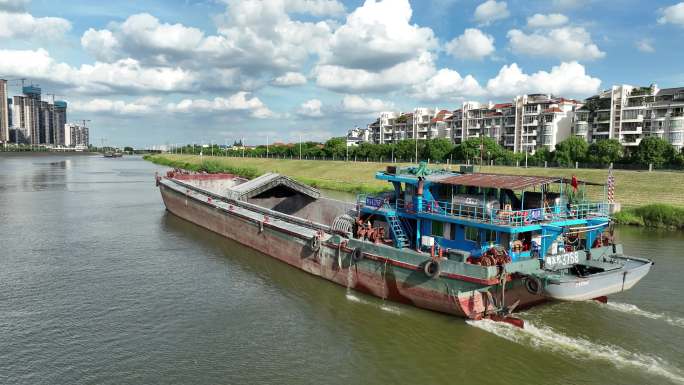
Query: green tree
{"points": [[128, 149], [654, 150], [437, 150], [336, 148], [571, 150], [605, 151], [406, 149], [470, 149]]}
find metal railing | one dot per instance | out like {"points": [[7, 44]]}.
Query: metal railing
{"points": [[482, 213]]}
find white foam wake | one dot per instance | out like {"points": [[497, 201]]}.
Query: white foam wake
{"points": [[542, 337], [633, 309], [384, 307]]}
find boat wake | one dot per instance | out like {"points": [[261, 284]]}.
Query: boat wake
{"points": [[543, 337], [633, 309], [384, 307], [390, 309]]}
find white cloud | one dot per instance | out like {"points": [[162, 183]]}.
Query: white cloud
{"points": [[101, 44], [568, 78], [315, 7], [400, 76], [123, 75], [23, 25], [673, 14], [565, 43], [356, 104], [237, 102], [145, 31], [472, 44], [376, 36], [447, 84], [644, 45], [491, 11], [137, 107], [550, 20], [311, 108], [289, 79], [254, 38]]}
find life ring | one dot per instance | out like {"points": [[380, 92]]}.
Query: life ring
{"points": [[533, 285], [432, 268], [357, 254]]}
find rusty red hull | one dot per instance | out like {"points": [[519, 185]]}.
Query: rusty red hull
{"points": [[374, 277]]}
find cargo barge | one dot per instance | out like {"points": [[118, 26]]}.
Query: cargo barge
{"points": [[467, 244]]}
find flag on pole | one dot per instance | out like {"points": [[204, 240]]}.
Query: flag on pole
{"points": [[611, 185]]}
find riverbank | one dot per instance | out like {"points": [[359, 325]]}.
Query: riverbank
{"points": [[637, 191]]}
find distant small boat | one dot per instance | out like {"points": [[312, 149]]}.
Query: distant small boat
{"points": [[112, 154]]}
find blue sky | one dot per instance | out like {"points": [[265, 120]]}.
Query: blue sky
{"points": [[168, 72]]}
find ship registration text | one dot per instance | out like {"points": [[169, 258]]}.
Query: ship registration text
{"points": [[562, 259]]}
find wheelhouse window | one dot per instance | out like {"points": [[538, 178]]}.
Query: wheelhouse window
{"points": [[472, 234], [490, 236], [437, 229]]}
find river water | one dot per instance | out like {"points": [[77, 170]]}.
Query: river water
{"points": [[100, 285]]}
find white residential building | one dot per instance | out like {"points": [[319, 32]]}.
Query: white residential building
{"points": [[357, 135], [76, 136], [629, 114]]}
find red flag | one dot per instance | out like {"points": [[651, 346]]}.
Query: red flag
{"points": [[574, 183]]}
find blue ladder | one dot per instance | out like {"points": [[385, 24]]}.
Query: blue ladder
{"points": [[400, 239]]}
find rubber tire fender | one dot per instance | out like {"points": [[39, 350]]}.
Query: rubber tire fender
{"points": [[357, 254], [533, 285], [432, 268]]}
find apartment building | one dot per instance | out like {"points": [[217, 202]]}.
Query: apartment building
{"points": [[36, 121], [76, 136], [59, 119], [4, 112], [628, 114], [525, 125], [25, 117], [355, 136]]}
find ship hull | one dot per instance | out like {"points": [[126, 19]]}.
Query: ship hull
{"points": [[374, 274]]}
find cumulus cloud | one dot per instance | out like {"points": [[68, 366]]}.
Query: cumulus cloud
{"points": [[472, 44], [568, 78], [139, 106], [644, 45], [289, 79], [447, 84], [126, 75], [673, 14], [16, 23], [491, 11], [311, 108], [356, 104], [350, 80], [253, 38], [237, 102], [376, 36], [565, 43], [539, 20], [101, 44]]}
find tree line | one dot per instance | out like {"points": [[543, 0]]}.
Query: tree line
{"points": [[650, 151]]}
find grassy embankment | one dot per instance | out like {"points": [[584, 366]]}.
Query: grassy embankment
{"points": [[648, 198]]}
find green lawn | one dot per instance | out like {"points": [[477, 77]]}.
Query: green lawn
{"points": [[633, 188]]}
